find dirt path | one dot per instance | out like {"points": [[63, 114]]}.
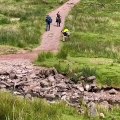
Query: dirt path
{"points": [[51, 39]]}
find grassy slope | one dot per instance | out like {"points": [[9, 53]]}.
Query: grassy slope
{"points": [[16, 108], [94, 42], [23, 21]]}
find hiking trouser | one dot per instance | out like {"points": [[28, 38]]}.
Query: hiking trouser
{"points": [[58, 24], [64, 38], [47, 27]]}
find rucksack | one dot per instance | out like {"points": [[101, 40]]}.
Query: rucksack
{"points": [[49, 19]]}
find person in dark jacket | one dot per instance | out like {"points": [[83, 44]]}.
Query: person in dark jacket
{"points": [[48, 22], [58, 14], [58, 19]]}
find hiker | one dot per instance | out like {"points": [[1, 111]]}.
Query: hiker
{"points": [[48, 22], [66, 34], [58, 19], [58, 14]]}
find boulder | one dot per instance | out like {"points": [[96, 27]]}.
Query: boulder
{"points": [[51, 79], [61, 85], [44, 83], [2, 86], [87, 87], [104, 105], [36, 89], [45, 89], [91, 78], [80, 88], [12, 75], [82, 78], [2, 72], [28, 96], [113, 91], [92, 110], [49, 97]]}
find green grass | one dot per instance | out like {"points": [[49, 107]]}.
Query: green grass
{"points": [[16, 108], [22, 22], [94, 41], [106, 70], [95, 28]]}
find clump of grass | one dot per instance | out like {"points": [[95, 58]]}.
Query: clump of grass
{"points": [[44, 56], [87, 71], [75, 77], [62, 54], [4, 19], [62, 68]]}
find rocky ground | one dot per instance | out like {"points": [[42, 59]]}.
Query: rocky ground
{"points": [[24, 79]]}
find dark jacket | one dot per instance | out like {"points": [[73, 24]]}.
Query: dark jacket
{"points": [[48, 20], [58, 19]]}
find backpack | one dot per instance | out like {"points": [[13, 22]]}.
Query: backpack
{"points": [[49, 19]]}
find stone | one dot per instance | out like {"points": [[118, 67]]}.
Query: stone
{"points": [[36, 89], [82, 78], [16, 93], [12, 75], [2, 72], [92, 110], [101, 115], [50, 97], [33, 76], [113, 92], [59, 77], [2, 86], [44, 89], [80, 88], [64, 97], [44, 83], [28, 96], [91, 78], [5, 83], [3, 77], [61, 85], [51, 78], [87, 87], [104, 105]]}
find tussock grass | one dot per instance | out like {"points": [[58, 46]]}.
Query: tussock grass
{"points": [[44, 56]]}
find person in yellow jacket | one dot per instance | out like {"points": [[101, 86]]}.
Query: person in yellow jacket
{"points": [[66, 34]]}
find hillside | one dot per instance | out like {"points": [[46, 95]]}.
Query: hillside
{"points": [[94, 44], [22, 22], [78, 79]]}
